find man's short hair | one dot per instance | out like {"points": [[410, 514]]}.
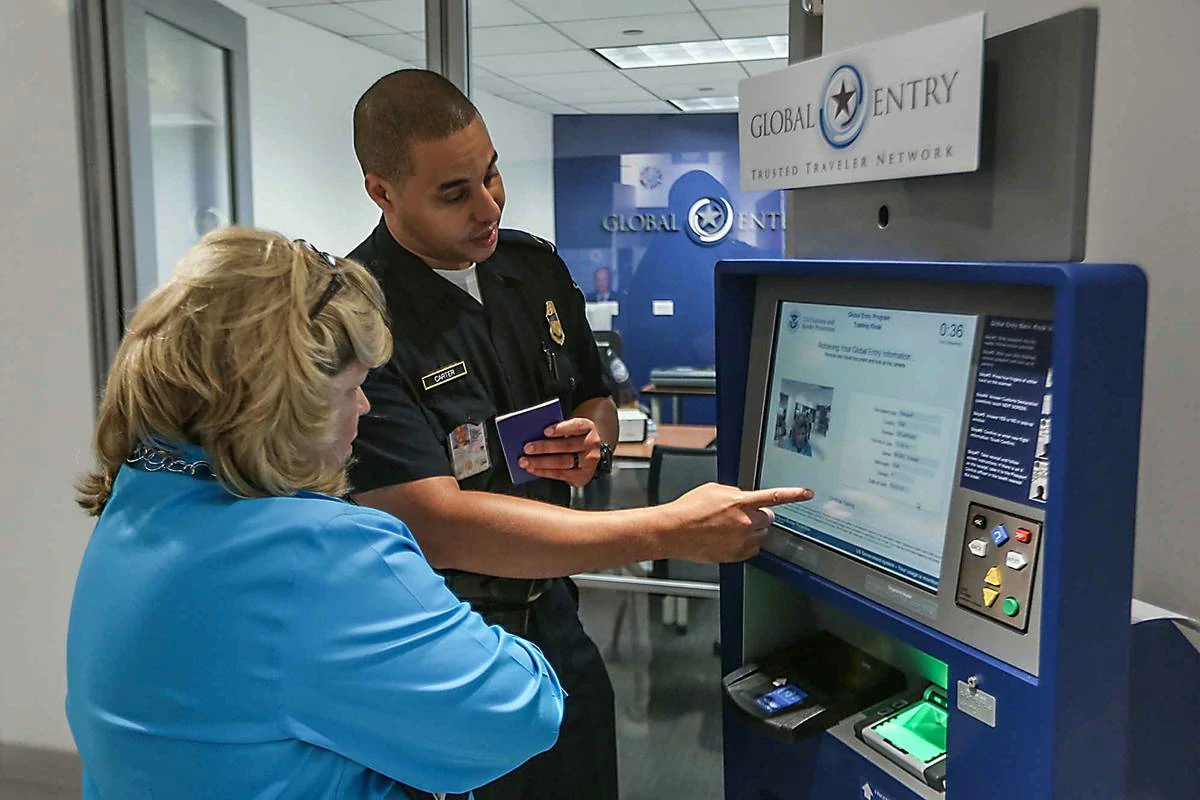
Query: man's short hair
{"points": [[400, 109]]}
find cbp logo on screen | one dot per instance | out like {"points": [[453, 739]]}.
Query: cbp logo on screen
{"points": [[709, 220], [793, 320], [843, 111]]}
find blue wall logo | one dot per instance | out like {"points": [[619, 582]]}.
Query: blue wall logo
{"points": [[794, 321], [709, 220], [843, 106], [651, 177]]}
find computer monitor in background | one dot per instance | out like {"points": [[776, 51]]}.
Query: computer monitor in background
{"points": [[600, 315]]}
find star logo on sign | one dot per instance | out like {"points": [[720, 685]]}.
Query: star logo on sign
{"points": [[711, 217], [842, 99], [709, 220]]}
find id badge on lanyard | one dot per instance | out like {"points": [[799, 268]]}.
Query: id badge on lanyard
{"points": [[468, 446]]}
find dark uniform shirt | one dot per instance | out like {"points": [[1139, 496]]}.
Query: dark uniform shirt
{"points": [[455, 362], [510, 357]]}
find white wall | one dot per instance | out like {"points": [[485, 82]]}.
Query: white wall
{"points": [[1144, 207], [304, 83], [45, 369], [524, 139]]}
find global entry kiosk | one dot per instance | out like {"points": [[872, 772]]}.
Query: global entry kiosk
{"points": [[950, 616]]}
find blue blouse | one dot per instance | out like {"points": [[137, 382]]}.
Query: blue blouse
{"points": [[285, 647]]}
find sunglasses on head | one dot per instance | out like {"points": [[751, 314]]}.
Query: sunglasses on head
{"points": [[335, 279]]}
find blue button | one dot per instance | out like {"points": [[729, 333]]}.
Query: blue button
{"points": [[999, 535]]}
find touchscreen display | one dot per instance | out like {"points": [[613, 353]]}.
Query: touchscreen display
{"points": [[865, 407]]}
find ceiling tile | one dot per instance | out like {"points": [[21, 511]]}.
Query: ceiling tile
{"points": [[638, 107], [695, 75], [544, 63], [763, 67], [403, 15], [685, 90], [657, 28], [706, 5], [708, 105], [585, 92], [401, 45], [737, 22], [514, 39], [493, 84], [341, 20], [593, 81], [494, 13], [539, 103], [558, 10]]}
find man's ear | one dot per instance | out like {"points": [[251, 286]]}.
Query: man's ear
{"points": [[380, 191]]}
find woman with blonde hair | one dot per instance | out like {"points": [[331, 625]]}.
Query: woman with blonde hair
{"points": [[237, 630]]}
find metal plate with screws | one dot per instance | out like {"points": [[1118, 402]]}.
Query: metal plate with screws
{"points": [[974, 702]]}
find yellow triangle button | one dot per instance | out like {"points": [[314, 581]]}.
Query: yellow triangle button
{"points": [[993, 577], [989, 596]]}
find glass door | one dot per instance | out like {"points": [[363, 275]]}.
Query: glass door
{"points": [[164, 115], [186, 130]]}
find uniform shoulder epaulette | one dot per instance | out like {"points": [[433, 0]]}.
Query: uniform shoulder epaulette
{"points": [[512, 236]]}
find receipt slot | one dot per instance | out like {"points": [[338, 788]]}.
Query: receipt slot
{"points": [[970, 431]]}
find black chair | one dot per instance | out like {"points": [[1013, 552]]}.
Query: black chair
{"points": [[675, 471]]}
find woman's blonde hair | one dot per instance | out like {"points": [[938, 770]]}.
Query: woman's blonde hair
{"points": [[237, 353]]}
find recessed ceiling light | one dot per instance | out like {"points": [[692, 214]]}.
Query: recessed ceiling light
{"points": [[633, 31], [706, 104], [712, 51]]}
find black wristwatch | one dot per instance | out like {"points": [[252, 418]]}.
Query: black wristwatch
{"points": [[604, 466]]}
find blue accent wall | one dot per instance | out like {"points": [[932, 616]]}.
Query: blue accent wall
{"points": [[618, 176]]}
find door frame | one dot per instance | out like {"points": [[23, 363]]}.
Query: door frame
{"points": [[114, 113]]}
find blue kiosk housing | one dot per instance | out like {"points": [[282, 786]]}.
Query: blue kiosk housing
{"points": [[935, 548], [950, 615]]}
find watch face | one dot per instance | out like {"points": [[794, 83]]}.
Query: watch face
{"points": [[606, 456]]}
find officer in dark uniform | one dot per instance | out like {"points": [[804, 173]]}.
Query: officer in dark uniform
{"points": [[457, 364], [486, 322]]}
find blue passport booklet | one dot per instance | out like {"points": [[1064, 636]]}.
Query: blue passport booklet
{"points": [[519, 428]]}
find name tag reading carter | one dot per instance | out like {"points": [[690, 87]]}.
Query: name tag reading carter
{"points": [[444, 375]]}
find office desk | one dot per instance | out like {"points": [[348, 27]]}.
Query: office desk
{"points": [[697, 436], [656, 393]]}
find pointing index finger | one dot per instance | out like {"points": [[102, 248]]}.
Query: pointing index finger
{"points": [[774, 497]]}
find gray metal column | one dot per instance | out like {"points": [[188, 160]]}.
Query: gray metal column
{"points": [[805, 35], [94, 88], [448, 40], [805, 27]]}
